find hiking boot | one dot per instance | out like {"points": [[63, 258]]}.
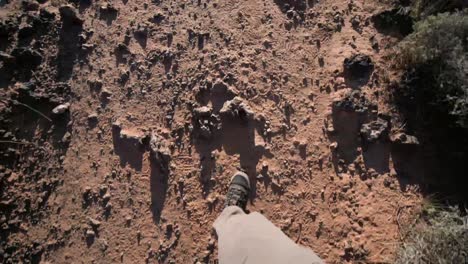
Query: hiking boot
{"points": [[238, 192]]}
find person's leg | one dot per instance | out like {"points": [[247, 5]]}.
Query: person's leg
{"points": [[251, 238]]}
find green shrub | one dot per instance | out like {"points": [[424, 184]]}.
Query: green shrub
{"points": [[441, 238], [437, 52], [433, 98], [424, 8]]}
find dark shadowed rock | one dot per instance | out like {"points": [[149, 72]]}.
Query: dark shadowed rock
{"points": [[357, 69], [375, 130], [237, 108], [353, 102], [93, 119], [129, 144], [202, 112], [205, 122], [94, 223], [293, 8], [404, 139], [132, 136], [159, 148], [157, 18]]}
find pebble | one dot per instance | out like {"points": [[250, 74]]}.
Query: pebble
{"points": [[93, 222], [93, 117], [404, 139], [106, 94], [90, 234], [128, 220], [106, 197], [61, 109]]}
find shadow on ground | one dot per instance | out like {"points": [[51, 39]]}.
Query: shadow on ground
{"points": [[232, 130], [438, 161], [129, 149], [158, 186]]}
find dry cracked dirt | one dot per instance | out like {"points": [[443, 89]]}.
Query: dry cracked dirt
{"points": [[122, 122]]}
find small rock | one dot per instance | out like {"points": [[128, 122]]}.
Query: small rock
{"points": [[356, 22], [302, 145], [237, 108], [87, 47], [358, 67], [103, 245], [321, 61], [387, 182], [61, 109], [66, 137], [103, 189], [128, 220], [108, 9], [106, 94], [95, 85], [339, 83], [404, 139], [108, 207], [169, 229], [354, 101], [157, 18], [141, 31], [203, 111], [86, 194], [92, 118], [124, 77], [211, 244], [94, 223], [276, 186], [374, 43], [375, 130], [138, 236], [90, 234], [133, 138], [205, 132], [330, 128], [159, 149]]}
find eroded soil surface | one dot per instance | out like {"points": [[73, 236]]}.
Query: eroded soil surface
{"points": [[122, 122]]}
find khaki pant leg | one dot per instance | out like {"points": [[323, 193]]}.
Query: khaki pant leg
{"points": [[251, 238]]}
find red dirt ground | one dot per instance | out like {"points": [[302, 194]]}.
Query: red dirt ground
{"points": [[88, 187]]}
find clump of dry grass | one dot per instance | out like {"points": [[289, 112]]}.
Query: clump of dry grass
{"points": [[441, 237]]}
